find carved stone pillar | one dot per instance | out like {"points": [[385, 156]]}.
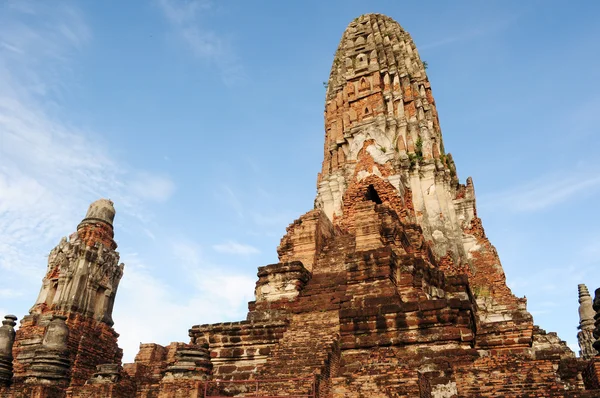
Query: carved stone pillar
{"points": [[192, 362], [7, 338], [585, 335]]}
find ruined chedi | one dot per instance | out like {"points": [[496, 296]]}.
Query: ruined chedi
{"points": [[387, 288], [68, 331]]}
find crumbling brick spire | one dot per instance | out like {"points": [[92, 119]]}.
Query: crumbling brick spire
{"points": [[97, 226], [383, 144], [379, 101], [382, 133], [378, 81], [76, 300], [84, 272]]}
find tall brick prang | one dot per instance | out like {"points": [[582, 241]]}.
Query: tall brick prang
{"points": [[383, 134]]}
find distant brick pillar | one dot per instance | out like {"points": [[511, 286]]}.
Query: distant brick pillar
{"points": [[7, 339], [585, 336]]}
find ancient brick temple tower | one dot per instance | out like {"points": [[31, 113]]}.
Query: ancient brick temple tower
{"points": [[68, 331], [387, 288]]}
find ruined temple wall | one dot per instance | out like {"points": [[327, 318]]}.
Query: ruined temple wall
{"points": [[376, 315], [108, 390], [305, 238], [277, 286], [96, 344], [437, 371], [511, 376], [148, 368], [238, 349], [90, 343], [396, 371]]}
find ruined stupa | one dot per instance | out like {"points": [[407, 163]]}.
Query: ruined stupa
{"points": [[387, 288]]}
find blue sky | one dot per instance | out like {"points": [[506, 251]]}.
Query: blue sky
{"points": [[203, 121]]}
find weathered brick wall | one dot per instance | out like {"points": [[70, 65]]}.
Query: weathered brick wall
{"points": [[305, 238], [592, 373], [36, 391], [277, 286], [376, 372], [181, 389], [509, 376], [28, 337], [148, 368], [423, 371], [237, 349], [94, 343], [122, 389], [90, 343]]}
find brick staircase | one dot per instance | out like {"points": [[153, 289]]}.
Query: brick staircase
{"points": [[310, 346]]}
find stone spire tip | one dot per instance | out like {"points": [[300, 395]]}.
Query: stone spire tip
{"points": [[586, 310], [583, 291], [101, 210]]}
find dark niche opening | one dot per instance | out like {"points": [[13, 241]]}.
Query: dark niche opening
{"points": [[372, 195]]}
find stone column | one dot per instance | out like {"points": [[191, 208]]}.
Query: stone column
{"points": [[585, 335], [192, 361], [7, 338]]}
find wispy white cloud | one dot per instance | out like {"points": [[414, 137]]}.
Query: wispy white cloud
{"points": [[185, 16], [149, 233], [145, 299], [50, 169], [232, 247], [207, 276], [183, 11], [188, 253], [153, 187], [47, 153], [217, 294], [9, 293], [232, 199], [544, 193], [272, 219], [472, 33]]}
